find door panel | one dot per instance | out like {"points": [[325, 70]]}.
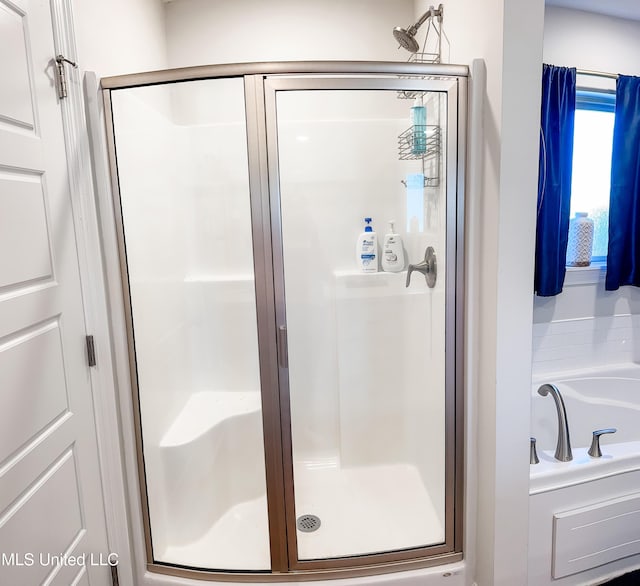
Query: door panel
{"points": [[44, 397], [366, 353], [186, 227], [15, 93], [368, 367], [22, 199], [50, 491], [63, 526]]}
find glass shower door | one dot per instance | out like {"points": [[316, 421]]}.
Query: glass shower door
{"points": [[369, 368], [186, 244]]}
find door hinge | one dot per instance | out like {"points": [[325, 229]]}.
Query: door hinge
{"points": [[91, 351], [114, 576], [61, 75]]}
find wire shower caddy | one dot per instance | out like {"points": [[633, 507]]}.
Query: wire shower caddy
{"points": [[431, 155]]}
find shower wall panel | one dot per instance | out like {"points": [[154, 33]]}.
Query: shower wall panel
{"points": [[148, 141], [426, 359], [321, 244]]}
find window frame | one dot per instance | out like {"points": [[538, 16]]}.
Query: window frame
{"points": [[595, 100]]}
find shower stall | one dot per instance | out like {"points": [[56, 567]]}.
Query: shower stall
{"points": [[294, 416]]}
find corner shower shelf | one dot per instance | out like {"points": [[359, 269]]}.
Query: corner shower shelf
{"points": [[356, 279], [357, 285]]}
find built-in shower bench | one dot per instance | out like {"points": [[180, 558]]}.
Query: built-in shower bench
{"points": [[206, 410], [212, 462]]}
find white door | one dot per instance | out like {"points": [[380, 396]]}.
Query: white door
{"points": [[50, 492]]}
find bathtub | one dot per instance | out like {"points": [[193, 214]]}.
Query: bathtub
{"points": [[585, 514]]}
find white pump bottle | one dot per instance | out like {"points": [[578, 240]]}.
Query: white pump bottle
{"points": [[392, 251]]}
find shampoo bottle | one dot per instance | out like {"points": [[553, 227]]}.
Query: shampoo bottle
{"points": [[367, 249], [392, 251]]}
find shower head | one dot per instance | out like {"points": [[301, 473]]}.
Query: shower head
{"points": [[407, 37]]}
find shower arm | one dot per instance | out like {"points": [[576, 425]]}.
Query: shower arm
{"points": [[431, 13]]}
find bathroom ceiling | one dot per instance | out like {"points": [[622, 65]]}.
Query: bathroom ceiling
{"points": [[629, 9]]}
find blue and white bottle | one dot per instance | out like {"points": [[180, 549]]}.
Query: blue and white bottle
{"points": [[367, 249]]}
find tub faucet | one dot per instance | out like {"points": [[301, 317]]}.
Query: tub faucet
{"points": [[563, 447]]}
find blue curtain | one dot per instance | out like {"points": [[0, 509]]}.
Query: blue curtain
{"points": [[623, 258], [554, 177]]}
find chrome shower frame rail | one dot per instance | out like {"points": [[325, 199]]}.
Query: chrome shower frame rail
{"points": [[261, 81], [382, 68]]}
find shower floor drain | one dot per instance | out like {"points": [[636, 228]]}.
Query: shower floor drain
{"points": [[308, 523]]}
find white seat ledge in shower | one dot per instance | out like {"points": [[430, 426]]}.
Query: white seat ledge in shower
{"points": [[207, 409], [216, 430]]}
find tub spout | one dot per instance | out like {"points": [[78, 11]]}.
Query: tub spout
{"points": [[563, 447]]}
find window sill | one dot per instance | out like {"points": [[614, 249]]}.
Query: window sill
{"points": [[590, 275]]}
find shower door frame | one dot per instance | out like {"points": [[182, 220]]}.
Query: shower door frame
{"points": [[261, 82], [271, 86]]}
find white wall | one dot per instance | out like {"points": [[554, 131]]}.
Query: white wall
{"points": [[202, 32], [120, 36], [586, 40], [501, 198], [586, 325]]}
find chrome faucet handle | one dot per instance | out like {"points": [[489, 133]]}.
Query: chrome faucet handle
{"points": [[594, 450], [421, 267], [428, 267], [533, 454]]}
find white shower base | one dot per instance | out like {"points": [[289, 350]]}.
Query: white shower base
{"points": [[362, 510], [365, 510]]}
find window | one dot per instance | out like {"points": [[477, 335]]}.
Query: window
{"points": [[591, 177]]}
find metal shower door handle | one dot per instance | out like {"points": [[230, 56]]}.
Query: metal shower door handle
{"points": [[283, 359]]}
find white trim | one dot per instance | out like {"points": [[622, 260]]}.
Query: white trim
{"points": [[473, 309], [93, 293], [133, 523], [591, 275]]}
